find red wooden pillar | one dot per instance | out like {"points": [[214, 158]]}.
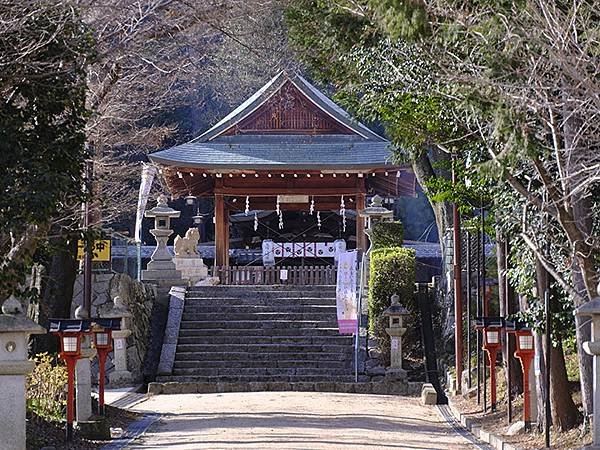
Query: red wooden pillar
{"points": [[361, 238], [221, 232]]}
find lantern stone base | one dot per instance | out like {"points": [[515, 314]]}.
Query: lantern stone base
{"points": [[518, 428], [192, 269], [96, 429], [161, 275], [395, 374], [118, 378]]}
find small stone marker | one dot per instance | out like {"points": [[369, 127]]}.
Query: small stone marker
{"points": [[428, 395]]}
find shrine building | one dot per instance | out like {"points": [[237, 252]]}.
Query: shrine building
{"points": [[286, 148]]}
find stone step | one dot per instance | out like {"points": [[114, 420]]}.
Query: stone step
{"points": [[242, 339], [187, 385], [248, 324], [300, 331], [263, 288], [255, 378], [259, 301], [252, 308], [258, 316], [262, 348], [261, 371], [236, 374], [264, 356], [270, 363]]}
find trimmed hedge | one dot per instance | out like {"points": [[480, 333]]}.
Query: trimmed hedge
{"points": [[392, 271], [388, 234]]}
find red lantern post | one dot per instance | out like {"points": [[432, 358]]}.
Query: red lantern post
{"points": [[492, 345], [70, 352], [103, 328], [70, 332], [525, 352], [103, 343], [491, 326]]}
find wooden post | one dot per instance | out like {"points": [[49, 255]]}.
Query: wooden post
{"points": [[221, 232], [361, 238]]}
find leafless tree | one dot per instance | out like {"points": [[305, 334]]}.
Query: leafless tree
{"points": [[538, 80]]}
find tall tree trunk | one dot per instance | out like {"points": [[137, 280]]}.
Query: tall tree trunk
{"points": [[564, 411], [584, 274], [57, 292], [424, 171]]}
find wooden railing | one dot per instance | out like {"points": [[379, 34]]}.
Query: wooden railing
{"points": [[293, 275]]}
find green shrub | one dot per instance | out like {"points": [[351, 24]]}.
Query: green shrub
{"points": [[387, 234], [47, 388], [392, 271]]}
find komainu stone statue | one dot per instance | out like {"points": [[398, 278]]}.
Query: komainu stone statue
{"points": [[187, 259], [188, 245]]}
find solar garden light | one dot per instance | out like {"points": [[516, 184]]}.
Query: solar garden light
{"points": [[525, 353], [395, 314], [592, 309], [491, 326], [103, 329], [70, 332]]}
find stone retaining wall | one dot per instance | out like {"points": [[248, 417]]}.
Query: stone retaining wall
{"points": [[139, 299], [382, 388]]}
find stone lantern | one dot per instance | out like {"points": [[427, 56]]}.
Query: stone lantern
{"points": [[374, 213], [395, 313], [15, 329], [592, 309], [161, 266], [120, 375]]}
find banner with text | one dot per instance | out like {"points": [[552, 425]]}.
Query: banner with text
{"points": [[347, 312]]}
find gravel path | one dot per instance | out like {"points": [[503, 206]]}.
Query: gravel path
{"points": [[294, 420]]}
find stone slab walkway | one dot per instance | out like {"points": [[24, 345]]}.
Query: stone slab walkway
{"points": [[294, 420]]}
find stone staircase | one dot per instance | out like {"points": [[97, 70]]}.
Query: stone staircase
{"points": [[233, 334]]}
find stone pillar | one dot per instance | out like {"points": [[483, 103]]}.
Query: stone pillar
{"points": [[120, 375], [533, 399], [395, 368], [14, 365], [83, 375], [592, 309]]}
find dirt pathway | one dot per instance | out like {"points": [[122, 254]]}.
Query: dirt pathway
{"points": [[294, 420]]}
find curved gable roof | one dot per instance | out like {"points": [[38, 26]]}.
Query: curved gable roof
{"points": [[317, 99]]}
